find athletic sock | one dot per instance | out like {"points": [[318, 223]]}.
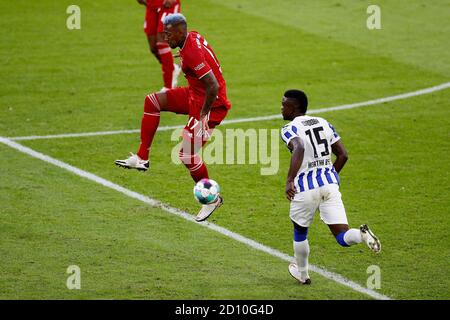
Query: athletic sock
{"points": [[301, 252], [349, 237], [149, 125], [195, 165], [166, 58], [352, 236]]}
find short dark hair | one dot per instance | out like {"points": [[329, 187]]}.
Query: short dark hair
{"points": [[300, 97]]}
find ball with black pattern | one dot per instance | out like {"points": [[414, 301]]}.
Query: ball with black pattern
{"points": [[206, 191]]}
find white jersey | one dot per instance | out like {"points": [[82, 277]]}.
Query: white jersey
{"points": [[317, 136]]}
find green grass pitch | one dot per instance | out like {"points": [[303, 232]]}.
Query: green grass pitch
{"points": [[54, 80]]}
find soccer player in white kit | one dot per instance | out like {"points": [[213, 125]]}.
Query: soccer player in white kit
{"points": [[313, 181]]}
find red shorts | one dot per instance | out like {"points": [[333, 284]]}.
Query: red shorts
{"points": [[154, 18], [179, 100]]}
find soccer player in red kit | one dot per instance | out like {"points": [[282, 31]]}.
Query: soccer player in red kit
{"points": [[156, 11], [204, 100]]}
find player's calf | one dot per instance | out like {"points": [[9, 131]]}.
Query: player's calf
{"points": [[195, 165], [299, 269], [153, 48], [167, 65], [149, 124], [355, 236], [349, 237]]}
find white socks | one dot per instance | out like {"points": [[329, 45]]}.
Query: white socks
{"points": [[352, 236], [301, 250]]}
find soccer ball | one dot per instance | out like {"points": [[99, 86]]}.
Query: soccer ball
{"points": [[206, 191]]}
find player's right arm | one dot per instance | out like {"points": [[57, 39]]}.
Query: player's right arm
{"points": [[340, 152], [211, 90], [195, 59], [298, 150]]}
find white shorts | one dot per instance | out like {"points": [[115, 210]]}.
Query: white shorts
{"points": [[327, 199]]}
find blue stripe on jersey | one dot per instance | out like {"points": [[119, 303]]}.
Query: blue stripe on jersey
{"points": [[294, 129], [334, 130], [336, 176], [316, 174], [310, 181], [287, 135], [300, 182], [318, 177], [327, 175]]}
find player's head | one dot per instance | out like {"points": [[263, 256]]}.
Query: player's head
{"points": [[175, 30], [293, 104]]}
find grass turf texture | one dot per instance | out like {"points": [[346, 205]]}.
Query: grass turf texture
{"points": [[96, 79]]}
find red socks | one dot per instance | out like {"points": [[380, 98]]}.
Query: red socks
{"points": [[195, 165], [166, 59], [149, 124]]}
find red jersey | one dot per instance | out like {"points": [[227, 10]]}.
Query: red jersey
{"points": [[157, 4], [154, 4], [198, 59]]}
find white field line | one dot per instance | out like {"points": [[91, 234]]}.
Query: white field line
{"points": [[255, 119], [158, 204]]}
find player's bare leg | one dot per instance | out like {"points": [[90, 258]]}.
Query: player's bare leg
{"points": [[347, 237], [153, 105]]}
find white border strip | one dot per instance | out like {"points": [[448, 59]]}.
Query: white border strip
{"points": [[255, 119], [157, 204]]}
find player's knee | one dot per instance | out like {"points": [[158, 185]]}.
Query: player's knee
{"points": [[300, 233], [154, 51], [152, 45], [151, 104]]}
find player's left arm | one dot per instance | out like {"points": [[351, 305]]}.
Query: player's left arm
{"points": [[212, 89], [337, 147], [340, 152], [298, 150]]}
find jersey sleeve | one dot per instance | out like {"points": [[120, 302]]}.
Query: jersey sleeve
{"points": [[288, 132], [196, 61], [334, 136]]}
